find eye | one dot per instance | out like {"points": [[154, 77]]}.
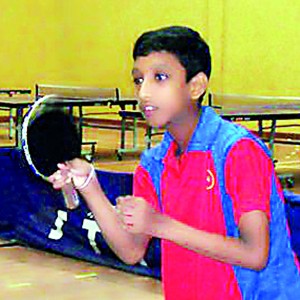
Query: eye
{"points": [[161, 76], [138, 80]]}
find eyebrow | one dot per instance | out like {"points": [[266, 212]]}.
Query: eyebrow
{"points": [[158, 66]]}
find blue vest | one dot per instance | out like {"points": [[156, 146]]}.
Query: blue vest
{"points": [[280, 279]]}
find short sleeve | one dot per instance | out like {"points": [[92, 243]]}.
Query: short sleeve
{"points": [[143, 186], [248, 178]]}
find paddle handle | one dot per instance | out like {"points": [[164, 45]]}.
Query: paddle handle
{"points": [[70, 196]]}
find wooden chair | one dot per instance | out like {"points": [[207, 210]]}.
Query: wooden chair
{"points": [[12, 93]]}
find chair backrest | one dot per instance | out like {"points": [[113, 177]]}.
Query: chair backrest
{"points": [[74, 92], [19, 93]]}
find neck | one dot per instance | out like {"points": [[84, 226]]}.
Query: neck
{"points": [[182, 131]]}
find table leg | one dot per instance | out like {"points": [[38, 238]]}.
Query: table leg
{"points": [[148, 136], [80, 121], [272, 138], [260, 128], [19, 127], [135, 132], [11, 123], [123, 132]]}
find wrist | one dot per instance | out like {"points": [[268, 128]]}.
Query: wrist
{"points": [[160, 225], [87, 181]]}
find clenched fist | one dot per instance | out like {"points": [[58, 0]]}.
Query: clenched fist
{"points": [[137, 215]]}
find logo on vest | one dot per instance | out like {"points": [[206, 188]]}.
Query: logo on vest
{"points": [[210, 178]]}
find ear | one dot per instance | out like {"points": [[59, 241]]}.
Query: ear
{"points": [[198, 85]]}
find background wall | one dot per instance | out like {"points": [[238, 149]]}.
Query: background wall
{"points": [[30, 43], [255, 44], [261, 47]]}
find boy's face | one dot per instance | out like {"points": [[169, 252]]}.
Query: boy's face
{"points": [[160, 85]]}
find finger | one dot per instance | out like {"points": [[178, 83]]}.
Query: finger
{"points": [[69, 179], [76, 162], [128, 209], [129, 198], [62, 166], [127, 220], [59, 180], [124, 226], [123, 212], [121, 201], [51, 178], [117, 210], [122, 221], [128, 227], [65, 175], [58, 185], [55, 176], [78, 172], [119, 205], [79, 166], [125, 198]]}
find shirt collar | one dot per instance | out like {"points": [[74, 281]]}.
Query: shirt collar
{"points": [[202, 138]]}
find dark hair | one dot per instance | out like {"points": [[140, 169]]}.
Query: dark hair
{"points": [[186, 44]]}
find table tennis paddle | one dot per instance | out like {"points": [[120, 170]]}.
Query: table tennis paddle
{"points": [[49, 137]]}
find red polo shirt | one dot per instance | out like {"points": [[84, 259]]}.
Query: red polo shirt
{"points": [[190, 194]]}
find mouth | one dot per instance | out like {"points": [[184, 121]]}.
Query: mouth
{"points": [[149, 110]]}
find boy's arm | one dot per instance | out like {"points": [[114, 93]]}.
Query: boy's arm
{"points": [[250, 197], [128, 246], [249, 251]]}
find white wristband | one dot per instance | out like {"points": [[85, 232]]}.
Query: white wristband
{"points": [[88, 179]]}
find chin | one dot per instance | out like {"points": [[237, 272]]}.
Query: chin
{"points": [[156, 123]]}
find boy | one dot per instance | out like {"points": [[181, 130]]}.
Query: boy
{"points": [[208, 190]]}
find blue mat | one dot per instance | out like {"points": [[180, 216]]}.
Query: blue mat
{"points": [[34, 214]]}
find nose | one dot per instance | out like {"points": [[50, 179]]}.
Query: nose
{"points": [[144, 91]]}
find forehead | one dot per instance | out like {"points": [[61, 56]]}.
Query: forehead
{"points": [[157, 60]]}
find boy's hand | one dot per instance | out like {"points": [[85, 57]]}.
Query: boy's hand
{"points": [[76, 170], [137, 215]]}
